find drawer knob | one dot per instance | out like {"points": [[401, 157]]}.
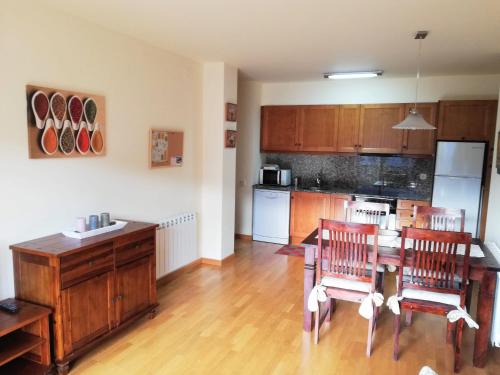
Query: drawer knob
{"points": [[137, 246], [119, 297], [91, 263]]}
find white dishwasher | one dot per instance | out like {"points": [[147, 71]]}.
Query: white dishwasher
{"points": [[271, 216]]}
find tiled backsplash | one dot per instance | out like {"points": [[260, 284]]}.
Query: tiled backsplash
{"points": [[358, 171]]}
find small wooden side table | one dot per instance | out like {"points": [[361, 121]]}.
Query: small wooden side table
{"points": [[25, 340]]}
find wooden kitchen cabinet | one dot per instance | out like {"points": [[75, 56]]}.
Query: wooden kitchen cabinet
{"points": [[421, 142], [404, 212], [466, 120], [318, 128], [279, 128], [376, 134], [348, 128], [94, 286], [307, 208], [311, 128], [337, 206]]}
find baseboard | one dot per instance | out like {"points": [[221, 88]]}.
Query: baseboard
{"points": [[243, 237], [217, 262], [175, 274]]}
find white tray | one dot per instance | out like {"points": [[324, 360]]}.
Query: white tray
{"points": [[90, 233]]}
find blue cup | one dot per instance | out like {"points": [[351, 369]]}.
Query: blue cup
{"points": [[93, 222]]}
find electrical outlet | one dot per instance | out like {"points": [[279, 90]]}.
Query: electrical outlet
{"points": [[423, 176]]}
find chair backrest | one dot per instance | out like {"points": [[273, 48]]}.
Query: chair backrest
{"points": [[433, 261], [437, 218], [367, 213], [345, 250]]}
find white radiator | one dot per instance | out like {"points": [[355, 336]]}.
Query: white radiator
{"points": [[176, 243], [495, 324]]}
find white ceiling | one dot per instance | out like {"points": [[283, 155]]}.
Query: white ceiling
{"points": [[280, 40]]}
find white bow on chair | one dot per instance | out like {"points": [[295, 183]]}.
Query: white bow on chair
{"points": [[318, 294], [393, 304], [369, 302], [460, 313]]}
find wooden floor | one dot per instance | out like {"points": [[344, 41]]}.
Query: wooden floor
{"points": [[246, 318]]}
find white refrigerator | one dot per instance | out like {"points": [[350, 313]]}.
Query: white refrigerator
{"points": [[458, 179]]}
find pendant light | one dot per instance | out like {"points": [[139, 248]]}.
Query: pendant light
{"points": [[414, 120]]}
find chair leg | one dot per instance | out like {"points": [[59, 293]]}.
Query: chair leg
{"points": [[331, 309], [450, 332], [369, 343], [468, 296], [381, 279], [317, 317], [397, 324], [409, 314], [458, 344]]}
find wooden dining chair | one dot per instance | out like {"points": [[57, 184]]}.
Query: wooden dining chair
{"points": [[342, 267], [437, 218], [434, 284], [367, 213]]}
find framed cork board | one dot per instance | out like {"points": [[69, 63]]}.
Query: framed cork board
{"points": [[165, 148], [65, 123]]}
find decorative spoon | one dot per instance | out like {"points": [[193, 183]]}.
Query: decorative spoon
{"points": [[40, 106], [75, 108], [49, 138], [58, 109]]}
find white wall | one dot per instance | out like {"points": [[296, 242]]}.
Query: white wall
{"points": [[493, 220], [229, 167], [218, 181], [381, 90], [144, 87], [378, 90], [248, 158]]}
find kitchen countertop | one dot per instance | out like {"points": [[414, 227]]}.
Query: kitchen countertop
{"points": [[398, 193]]}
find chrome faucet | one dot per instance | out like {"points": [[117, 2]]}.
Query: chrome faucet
{"points": [[319, 180]]}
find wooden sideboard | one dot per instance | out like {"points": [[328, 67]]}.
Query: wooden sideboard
{"points": [[95, 286]]}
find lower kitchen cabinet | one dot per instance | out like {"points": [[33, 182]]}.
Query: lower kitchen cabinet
{"points": [[404, 212], [95, 286], [307, 208]]}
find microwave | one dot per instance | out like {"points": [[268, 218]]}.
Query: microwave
{"points": [[281, 177]]}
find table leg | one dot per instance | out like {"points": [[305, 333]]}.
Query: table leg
{"points": [[483, 316], [309, 276]]}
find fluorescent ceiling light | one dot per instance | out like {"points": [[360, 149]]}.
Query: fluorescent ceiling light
{"points": [[350, 75]]}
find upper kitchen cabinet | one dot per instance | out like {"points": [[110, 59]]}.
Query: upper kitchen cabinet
{"points": [[376, 134], [466, 120], [279, 128], [310, 128], [318, 128], [348, 128], [421, 142]]}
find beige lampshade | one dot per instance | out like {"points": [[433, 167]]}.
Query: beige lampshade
{"points": [[414, 121]]}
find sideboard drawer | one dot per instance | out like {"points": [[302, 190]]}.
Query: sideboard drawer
{"points": [[85, 264], [135, 250]]}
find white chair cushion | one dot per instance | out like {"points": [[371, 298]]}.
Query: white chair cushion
{"points": [[448, 299], [336, 282], [380, 268]]}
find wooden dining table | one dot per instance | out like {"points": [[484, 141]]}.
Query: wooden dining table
{"points": [[482, 270]]}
